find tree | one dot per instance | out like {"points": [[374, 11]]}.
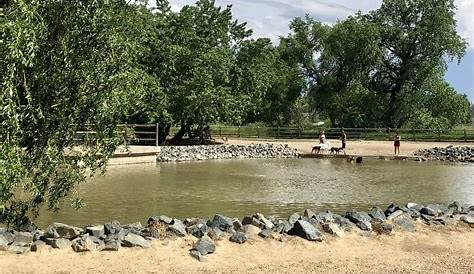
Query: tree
{"points": [[370, 69], [66, 66]]}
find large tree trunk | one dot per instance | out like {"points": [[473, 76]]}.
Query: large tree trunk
{"points": [[183, 130]]}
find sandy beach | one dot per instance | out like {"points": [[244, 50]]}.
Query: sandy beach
{"points": [[355, 147], [429, 250]]}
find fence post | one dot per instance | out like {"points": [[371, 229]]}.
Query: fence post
{"points": [[238, 131], [465, 135], [157, 134], [278, 132]]}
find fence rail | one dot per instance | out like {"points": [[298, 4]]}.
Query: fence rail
{"points": [[147, 134]]}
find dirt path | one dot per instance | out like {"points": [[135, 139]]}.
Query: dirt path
{"points": [[437, 250], [357, 147]]}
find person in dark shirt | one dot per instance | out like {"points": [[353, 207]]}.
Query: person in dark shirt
{"points": [[396, 143]]}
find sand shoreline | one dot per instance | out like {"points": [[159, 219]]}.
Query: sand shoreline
{"points": [[431, 249]]}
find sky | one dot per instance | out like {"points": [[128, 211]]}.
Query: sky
{"points": [[270, 18]]}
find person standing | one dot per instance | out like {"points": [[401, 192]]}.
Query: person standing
{"points": [[343, 140], [396, 143], [322, 137]]}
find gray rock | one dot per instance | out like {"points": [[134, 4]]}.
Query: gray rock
{"points": [[222, 222], [215, 233], [333, 228], [38, 235], [361, 219], [178, 228], [135, 228], [251, 220], [237, 224], [382, 227], [468, 219], [113, 227], [293, 218], [6, 236], [251, 230], [133, 240], [238, 237], [265, 233], [197, 230], [59, 243], [405, 222], [395, 215], [59, 230], [3, 243], [83, 244], [112, 245], [267, 223], [391, 209], [309, 213], [306, 230], [37, 245], [430, 210], [96, 231], [377, 214], [19, 248], [197, 255], [205, 246]]}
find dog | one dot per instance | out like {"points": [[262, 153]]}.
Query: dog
{"points": [[336, 150], [316, 149]]}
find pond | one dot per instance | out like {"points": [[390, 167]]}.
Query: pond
{"points": [[276, 187]]}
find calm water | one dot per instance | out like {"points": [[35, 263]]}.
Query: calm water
{"points": [[274, 187]]}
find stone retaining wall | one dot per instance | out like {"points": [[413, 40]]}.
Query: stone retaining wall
{"points": [[208, 152]]}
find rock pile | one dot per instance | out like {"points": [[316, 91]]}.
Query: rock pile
{"points": [[310, 226], [450, 153], [193, 153]]}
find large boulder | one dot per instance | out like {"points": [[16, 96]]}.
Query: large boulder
{"points": [[361, 219], [59, 230], [306, 230], [222, 222], [468, 219], [205, 245], [133, 240]]}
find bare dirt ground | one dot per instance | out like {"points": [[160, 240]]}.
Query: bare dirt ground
{"points": [[356, 147], [429, 250]]}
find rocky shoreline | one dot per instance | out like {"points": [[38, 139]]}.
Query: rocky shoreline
{"points": [[450, 153], [209, 152], [310, 225]]}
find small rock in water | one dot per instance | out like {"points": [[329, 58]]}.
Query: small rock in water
{"points": [[238, 237]]}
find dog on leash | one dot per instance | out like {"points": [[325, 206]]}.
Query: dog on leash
{"points": [[336, 150]]}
